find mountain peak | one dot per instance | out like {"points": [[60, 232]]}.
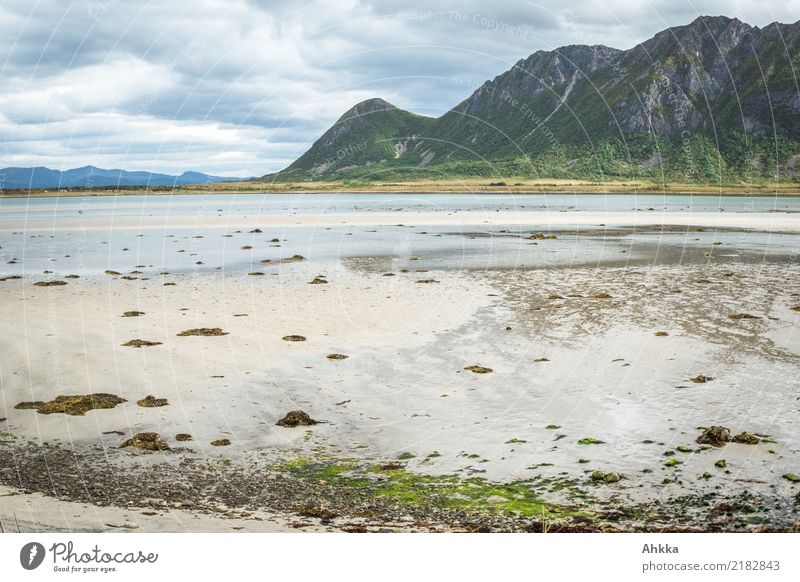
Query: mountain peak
{"points": [[373, 105], [708, 18], [713, 25]]}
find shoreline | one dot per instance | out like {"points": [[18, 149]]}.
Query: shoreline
{"points": [[466, 186]]}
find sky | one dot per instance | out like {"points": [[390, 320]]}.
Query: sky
{"points": [[243, 87]]}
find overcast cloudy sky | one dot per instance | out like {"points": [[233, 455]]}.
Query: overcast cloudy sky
{"points": [[241, 88]]}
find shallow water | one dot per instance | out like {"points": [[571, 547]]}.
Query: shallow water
{"points": [[136, 230], [249, 204]]}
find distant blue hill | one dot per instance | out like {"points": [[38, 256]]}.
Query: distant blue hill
{"points": [[89, 176]]}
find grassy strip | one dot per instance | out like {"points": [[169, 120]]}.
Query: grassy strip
{"points": [[448, 184]]}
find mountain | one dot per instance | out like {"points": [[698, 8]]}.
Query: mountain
{"points": [[89, 176], [371, 131], [716, 99]]}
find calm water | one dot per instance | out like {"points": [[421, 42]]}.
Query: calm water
{"points": [[202, 249], [250, 204]]}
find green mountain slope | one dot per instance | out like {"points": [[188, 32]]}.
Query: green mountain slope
{"points": [[714, 100], [372, 132]]}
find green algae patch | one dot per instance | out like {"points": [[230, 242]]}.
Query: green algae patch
{"points": [[393, 482], [471, 494], [590, 441], [324, 470], [76, 405]]}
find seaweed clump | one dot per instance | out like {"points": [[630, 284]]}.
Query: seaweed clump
{"points": [[202, 331], [183, 437], [29, 405], [294, 338], [53, 283], [292, 259], [317, 511], [745, 438], [146, 441], [296, 418], [221, 442], [132, 313], [476, 369], [140, 343], [716, 436], [701, 379], [738, 316], [76, 405], [337, 356], [152, 402]]}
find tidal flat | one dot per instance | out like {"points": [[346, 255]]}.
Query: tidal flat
{"points": [[376, 362]]}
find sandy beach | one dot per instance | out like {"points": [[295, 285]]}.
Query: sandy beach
{"points": [[595, 380]]}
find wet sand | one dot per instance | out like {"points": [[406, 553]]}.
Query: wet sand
{"points": [[574, 359], [760, 221]]}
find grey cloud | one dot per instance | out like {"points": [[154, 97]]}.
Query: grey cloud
{"points": [[259, 80]]}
